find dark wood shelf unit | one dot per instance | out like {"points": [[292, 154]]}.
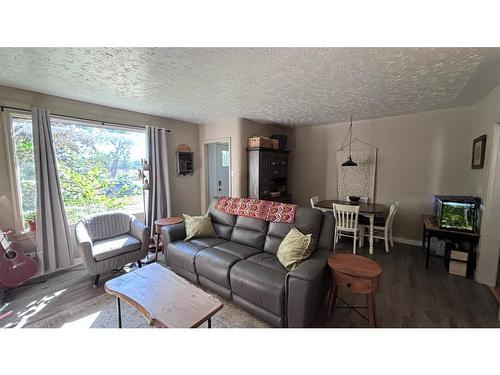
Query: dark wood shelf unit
{"points": [[268, 172]]}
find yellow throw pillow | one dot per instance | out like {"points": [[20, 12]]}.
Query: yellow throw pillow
{"points": [[198, 226], [294, 249]]}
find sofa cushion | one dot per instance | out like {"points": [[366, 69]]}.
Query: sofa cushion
{"points": [[240, 251], [115, 246], [275, 234], [261, 285], [207, 242], [308, 221], [182, 254], [198, 226], [223, 222], [268, 260], [107, 225], [214, 264], [250, 231]]}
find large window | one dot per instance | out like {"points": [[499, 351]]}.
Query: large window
{"points": [[97, 166]]}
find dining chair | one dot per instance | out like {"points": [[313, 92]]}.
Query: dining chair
{"points": [[382, 228], [346, 223], [315, 200]]}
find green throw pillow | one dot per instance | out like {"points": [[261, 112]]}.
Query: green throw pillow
{"points": [[198, 226], [294, 249]]}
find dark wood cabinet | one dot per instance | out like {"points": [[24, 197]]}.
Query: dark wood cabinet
{"points": [[268, 174]]}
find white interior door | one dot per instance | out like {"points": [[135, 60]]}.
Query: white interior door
{"points": [[217, 169]]}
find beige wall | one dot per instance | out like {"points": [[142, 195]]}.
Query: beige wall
{"points": [[238, 130], [419, 155], [487, 181], [185, 191]]}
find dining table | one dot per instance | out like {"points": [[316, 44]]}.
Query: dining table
{"points": [[370, 210]]}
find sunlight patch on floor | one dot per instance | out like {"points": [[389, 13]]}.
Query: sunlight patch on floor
{"points": [[85, 322], [33, 308]]}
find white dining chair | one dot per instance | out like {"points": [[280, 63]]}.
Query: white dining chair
{"points": [[383, 230], [346, 223], [315, 200]]}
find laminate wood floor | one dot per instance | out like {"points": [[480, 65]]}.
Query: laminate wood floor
{"points": [[409, 296]]}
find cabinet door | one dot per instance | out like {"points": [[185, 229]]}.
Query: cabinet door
{"points": [[265, 174], [283, 165], [275, 164]]}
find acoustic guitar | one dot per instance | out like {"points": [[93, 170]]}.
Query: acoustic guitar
{"points": [[15, 266]]}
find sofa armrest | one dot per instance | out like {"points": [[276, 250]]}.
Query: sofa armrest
{"points": [[84, 245], [141, 232], [172, 233], [306, 288]]}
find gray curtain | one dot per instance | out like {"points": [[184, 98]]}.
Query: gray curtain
{"points": [[159, 191], [52, 233]]}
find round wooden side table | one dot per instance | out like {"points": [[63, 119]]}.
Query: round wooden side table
{"points": [[359, 275], [160, 223]]}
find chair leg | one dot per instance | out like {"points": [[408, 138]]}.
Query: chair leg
{"points": [[96, 281], [354, 244], [139, 264], [386, 240], [390, 237], [361, 236]]}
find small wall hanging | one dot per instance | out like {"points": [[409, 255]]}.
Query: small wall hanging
{"points": [[184, 160]]}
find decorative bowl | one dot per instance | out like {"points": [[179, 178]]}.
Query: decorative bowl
{"points": [[354, 198]]}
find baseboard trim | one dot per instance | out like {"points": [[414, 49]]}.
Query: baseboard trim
{"points": [[407, 241]]}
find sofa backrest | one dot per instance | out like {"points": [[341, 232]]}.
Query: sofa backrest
{"points": [[267, 236], [223, 223], [250, 232], [106, 225]]}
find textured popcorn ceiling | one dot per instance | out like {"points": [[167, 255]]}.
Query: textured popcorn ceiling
{"points": [[299, 86]]}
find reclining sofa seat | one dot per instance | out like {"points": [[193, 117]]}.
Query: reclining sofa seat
{"points": [[241, 264]]}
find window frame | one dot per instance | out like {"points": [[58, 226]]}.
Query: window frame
{"points": [[13, 170], [15, 186]]}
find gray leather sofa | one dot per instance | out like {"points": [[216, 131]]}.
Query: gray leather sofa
{"points": [[110, 240], [241, 264]]}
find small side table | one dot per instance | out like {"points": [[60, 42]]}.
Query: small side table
{"points": [[160, 223], [359, 275]]}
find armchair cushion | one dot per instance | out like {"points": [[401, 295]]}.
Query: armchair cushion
{"points": [[112, 247], [107, 225]]}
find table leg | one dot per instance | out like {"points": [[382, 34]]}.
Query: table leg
{"points": [[119, 312], [209, 322], [372, 218]]}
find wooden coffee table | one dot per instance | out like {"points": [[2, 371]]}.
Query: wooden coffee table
{"points": [[165, 299]]}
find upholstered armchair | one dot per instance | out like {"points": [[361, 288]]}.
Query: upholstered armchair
{"points": [[110, 240]]}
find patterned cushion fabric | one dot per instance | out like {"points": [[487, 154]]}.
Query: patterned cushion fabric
{"points": [[198, 227], [107, 225], [294, 249]]}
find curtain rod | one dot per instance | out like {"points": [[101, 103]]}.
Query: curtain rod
{"points": [[80, 118]]}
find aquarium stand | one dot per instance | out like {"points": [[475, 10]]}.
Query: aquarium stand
{"points": [[432, 229]]}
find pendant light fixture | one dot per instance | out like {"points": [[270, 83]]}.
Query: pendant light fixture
{"points": [[349, 162]]}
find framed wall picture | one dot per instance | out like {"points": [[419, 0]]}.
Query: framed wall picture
{"points": [[478, 149]]}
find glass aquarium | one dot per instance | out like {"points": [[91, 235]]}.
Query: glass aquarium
{"points": [[457, 212]]}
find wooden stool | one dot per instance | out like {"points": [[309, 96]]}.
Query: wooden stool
{"points": [[160, 223], [359, 275]]}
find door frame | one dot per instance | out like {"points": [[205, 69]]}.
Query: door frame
{"points": [[205, 156]]}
